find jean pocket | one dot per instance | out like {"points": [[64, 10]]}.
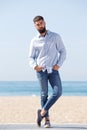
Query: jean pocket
{"points": [[55, 71], [38, 71]]}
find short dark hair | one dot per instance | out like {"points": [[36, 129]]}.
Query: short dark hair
{"points": [[37, 18]]}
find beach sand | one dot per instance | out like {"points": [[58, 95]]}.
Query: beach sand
{"points": [[22, 109]]}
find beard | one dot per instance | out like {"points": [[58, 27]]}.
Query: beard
{"points": [[43, 30]]}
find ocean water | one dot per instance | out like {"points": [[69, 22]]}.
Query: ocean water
{"points": [[32, 88]]}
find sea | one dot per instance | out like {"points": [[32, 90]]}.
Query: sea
{"points": [[32, 88]]}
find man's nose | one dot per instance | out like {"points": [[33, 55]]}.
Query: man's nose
{"points": [[40, 26]]}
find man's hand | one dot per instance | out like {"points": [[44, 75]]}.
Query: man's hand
{"points": [[56, 67], [38, 68]]}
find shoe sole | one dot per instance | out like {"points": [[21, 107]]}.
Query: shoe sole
{"points": [[47, 126]]}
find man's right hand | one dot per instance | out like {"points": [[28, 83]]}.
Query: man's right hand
{"points": [[38, 68]]}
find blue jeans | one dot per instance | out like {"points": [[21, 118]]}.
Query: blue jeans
{"points": [[55, 82]]}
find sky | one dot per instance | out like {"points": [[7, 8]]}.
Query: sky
{"points": [[65, 17]]}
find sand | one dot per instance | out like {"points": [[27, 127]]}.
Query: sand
{"points": [[22, 109]]}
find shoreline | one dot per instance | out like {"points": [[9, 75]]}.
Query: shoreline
{"points": [[20, 109]]}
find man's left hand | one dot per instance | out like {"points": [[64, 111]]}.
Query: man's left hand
{"points": [[56, 67]]}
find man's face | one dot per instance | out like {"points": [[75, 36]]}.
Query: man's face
{"points": [[40, 26]]}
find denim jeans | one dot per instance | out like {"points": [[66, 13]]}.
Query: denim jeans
{"points": [[55, 82]]}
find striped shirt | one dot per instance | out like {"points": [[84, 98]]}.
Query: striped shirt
{"points": [[47, 51]]}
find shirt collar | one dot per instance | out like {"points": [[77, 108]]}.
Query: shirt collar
{"points": [[39, 35]]}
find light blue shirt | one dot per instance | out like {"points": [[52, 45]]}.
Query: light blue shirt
{"points": [[47, 51]]}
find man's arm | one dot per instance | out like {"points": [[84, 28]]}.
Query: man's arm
{"points": [[61, 50], [32, 55]]}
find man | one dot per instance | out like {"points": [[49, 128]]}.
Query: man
{"points": [[47, 54]]}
